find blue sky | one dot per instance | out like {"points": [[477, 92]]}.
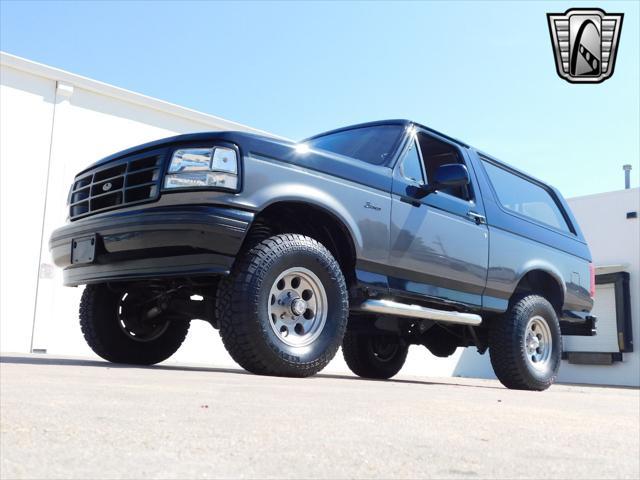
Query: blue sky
{"points": [[482, 72]]}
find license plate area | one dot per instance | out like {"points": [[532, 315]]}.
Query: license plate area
{"points": [[83, 250]]}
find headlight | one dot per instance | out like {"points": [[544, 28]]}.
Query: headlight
{"points": [[203, 167]]}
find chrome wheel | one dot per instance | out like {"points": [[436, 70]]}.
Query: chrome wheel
{"points": [[538, 343], [297, 307]]}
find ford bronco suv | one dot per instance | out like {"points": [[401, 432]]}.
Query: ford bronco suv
{"points": [[374, 237]]}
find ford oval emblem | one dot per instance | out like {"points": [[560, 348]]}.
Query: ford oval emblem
{"points": [[107, 186]]}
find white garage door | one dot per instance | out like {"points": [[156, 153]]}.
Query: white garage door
{"points": [[604, 308]]}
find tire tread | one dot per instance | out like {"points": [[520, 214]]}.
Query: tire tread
{"points": [[94, 317], [505, 345], [238, 315]]}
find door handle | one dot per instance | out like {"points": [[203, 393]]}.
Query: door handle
{"points": [[476, 217]]}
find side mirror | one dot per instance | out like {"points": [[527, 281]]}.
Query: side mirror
{"points": [[449, 175]]}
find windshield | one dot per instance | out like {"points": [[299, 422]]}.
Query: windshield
{"points": [[370, 144]]}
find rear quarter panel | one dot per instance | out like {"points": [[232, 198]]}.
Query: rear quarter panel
{"points": [[518, 246], [512, 256]]}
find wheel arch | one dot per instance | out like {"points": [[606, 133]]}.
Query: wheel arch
{"points": [[544, 281], [311, 219]]}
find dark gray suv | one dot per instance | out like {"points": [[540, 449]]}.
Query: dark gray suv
{"points": [[373, 237]]}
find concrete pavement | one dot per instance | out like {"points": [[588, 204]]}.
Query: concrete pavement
{"points": [[71, 418]]}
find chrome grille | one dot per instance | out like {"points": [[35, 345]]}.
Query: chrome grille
{"points": [[130, 180]]}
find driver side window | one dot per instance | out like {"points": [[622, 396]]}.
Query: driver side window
{"points": [[436, 153]]}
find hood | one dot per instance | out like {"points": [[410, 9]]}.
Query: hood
{"points": [[272, 149]]}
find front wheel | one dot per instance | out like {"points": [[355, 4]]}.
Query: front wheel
{"points": [[378, 356], [115, 325], [525, 345], [283, 310]]}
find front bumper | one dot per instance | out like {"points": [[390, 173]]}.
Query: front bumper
{"points": [[156, 242]]}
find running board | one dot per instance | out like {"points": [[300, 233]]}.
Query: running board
{"points": [[389, 307]]}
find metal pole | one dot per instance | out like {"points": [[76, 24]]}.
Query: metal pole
{"points": [[627, 176]]}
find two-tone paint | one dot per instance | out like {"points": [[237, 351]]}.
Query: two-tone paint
{"points": [[439, 248]]}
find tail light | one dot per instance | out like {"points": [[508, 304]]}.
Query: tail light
{"points": [[592, 280]]}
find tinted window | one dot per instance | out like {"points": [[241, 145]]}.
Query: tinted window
{"points": [[436, 153], [525, 197], [411, 168], [370, 144]]}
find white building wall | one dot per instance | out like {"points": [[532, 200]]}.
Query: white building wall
{"points": [[26, 116], [615, 246]]}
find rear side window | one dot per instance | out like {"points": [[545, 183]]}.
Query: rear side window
{"points": [[370, 144], [520, 195]]}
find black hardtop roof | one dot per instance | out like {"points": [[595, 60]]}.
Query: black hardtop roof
{"points": [[395, 121], [405, 122]]}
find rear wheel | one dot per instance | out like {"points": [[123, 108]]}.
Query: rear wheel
{"points": [[283, 310], [525, 345], [118, 327], [374, 355]]}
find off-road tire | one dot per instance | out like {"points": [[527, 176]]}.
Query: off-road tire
{"points": [[360, 356], [242, 307], [507, 348], [99, 324]]}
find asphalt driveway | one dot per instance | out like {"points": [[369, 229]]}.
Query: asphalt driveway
{"points": [[70, 418]]}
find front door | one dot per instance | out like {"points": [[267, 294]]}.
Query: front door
{"points": [[440, 243]]}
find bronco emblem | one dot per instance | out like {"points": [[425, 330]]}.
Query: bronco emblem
{"points": [[585, 43], [107, 186]]}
